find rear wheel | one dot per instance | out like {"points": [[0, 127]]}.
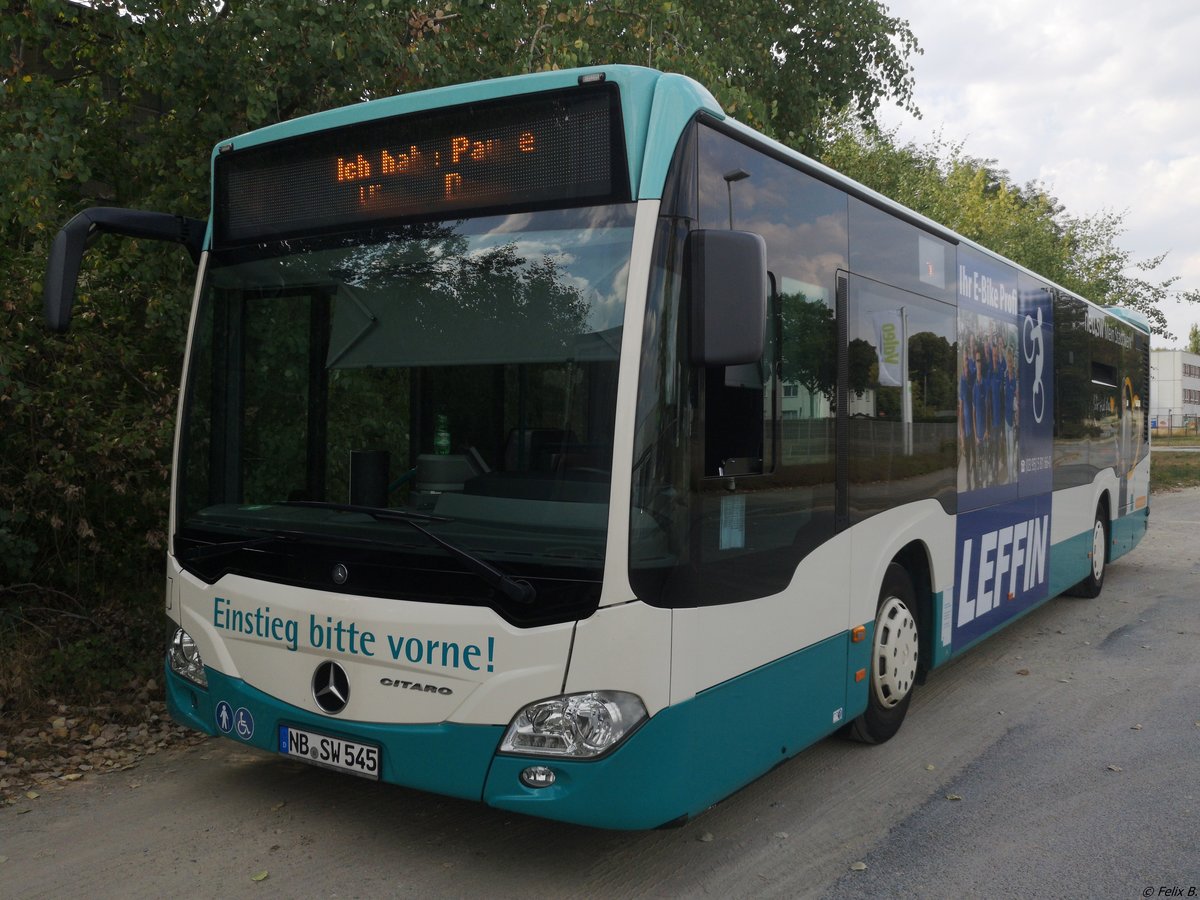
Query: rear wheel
{"points": [[895, 649], [1094, 582]]}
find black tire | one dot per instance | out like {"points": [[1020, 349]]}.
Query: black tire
{"points": [[894, 653], [1093, 584]]}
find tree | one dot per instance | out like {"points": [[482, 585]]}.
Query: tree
{"points": [[119, 102], [1097, 268], [808, 356], [1193, 345], [931, 366]]}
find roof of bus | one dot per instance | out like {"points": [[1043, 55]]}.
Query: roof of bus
{"points": [[650, 139], [1132, 316]]}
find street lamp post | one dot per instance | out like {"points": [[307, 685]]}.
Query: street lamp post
{"points": [[730, 178]]}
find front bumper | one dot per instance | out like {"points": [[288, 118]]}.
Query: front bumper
{"points": [[445, 758]]}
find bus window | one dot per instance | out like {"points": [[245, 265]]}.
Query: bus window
{"points": [[727, 514], [903, 399]]}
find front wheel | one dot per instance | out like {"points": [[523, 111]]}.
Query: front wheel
{"points": [[895, 650], [1094, 582]]}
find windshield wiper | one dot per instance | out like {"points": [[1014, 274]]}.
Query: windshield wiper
{"points": [[516, 589]]}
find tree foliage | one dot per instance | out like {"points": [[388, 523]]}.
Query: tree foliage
{"points": [[119, 103], [808, 356], [1025, 223]]}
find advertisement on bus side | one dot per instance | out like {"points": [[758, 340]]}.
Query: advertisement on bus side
{"points": [[1005, 434], [1002, 565]]}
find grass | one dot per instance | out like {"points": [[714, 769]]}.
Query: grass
{"points": [[1179, 438], [1171, 471]]}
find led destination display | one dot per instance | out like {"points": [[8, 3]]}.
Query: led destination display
{"points": [[563, 148]]}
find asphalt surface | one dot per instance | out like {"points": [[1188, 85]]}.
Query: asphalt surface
{"points": [[1060, 758]]}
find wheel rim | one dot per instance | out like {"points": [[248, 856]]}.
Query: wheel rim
{"points": [[896, 646], [1098, 551]]}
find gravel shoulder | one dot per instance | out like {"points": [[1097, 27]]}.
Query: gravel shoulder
{"points": [[43, 752]]}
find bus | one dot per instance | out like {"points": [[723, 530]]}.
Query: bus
{"points": [[560, 443]]}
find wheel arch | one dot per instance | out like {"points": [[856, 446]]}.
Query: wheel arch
{"points": [[915, 558], [1104, 506]]}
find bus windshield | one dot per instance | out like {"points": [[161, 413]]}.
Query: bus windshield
{"points": [[465, 370]]}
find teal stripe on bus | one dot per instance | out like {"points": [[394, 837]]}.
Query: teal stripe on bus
{"points": [[1127, 531], [692, 754]]}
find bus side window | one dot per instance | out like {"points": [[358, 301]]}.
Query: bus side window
{"points": [[773, 422]]}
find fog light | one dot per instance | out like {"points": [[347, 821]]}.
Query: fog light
{"points": [[184, 659], [579, 726], [538, 776]]}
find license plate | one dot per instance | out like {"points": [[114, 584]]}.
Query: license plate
{"points": [[333, 753]]}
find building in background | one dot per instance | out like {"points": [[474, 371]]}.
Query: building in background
{"points": [[1174, 391]]}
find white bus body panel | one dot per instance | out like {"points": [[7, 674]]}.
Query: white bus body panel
{"points": [[624, 648], [1139, 486], [1073, 510], [715, 643], [524, 663], [616, 554]]}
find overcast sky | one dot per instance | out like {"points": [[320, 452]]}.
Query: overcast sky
{"points": [[1097, 99]]}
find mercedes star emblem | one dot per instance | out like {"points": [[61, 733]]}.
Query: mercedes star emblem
{"points": [[340, 574], [331, 687]]}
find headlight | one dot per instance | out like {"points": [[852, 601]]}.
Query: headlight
{"points": [[184, 659], [574, 726]]}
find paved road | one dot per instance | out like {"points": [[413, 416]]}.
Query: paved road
{"points": [[1062, 794]]}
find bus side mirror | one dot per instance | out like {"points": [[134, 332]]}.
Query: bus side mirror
{"points": [[727, 273], [66, 253]]}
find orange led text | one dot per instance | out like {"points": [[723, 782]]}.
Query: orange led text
{"points": [[402, 163], [456, 152], [355, 170]]}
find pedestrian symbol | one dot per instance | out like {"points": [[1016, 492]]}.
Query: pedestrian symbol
{"points": [[243, 723], [224, 716]]}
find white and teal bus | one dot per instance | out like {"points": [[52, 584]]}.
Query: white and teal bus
{"points": [[560, 443]]}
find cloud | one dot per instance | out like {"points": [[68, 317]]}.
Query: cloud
{"points": [[1095, 98]]}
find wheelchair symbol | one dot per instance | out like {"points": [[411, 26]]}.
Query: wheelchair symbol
{"points": [[243, 723]]}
